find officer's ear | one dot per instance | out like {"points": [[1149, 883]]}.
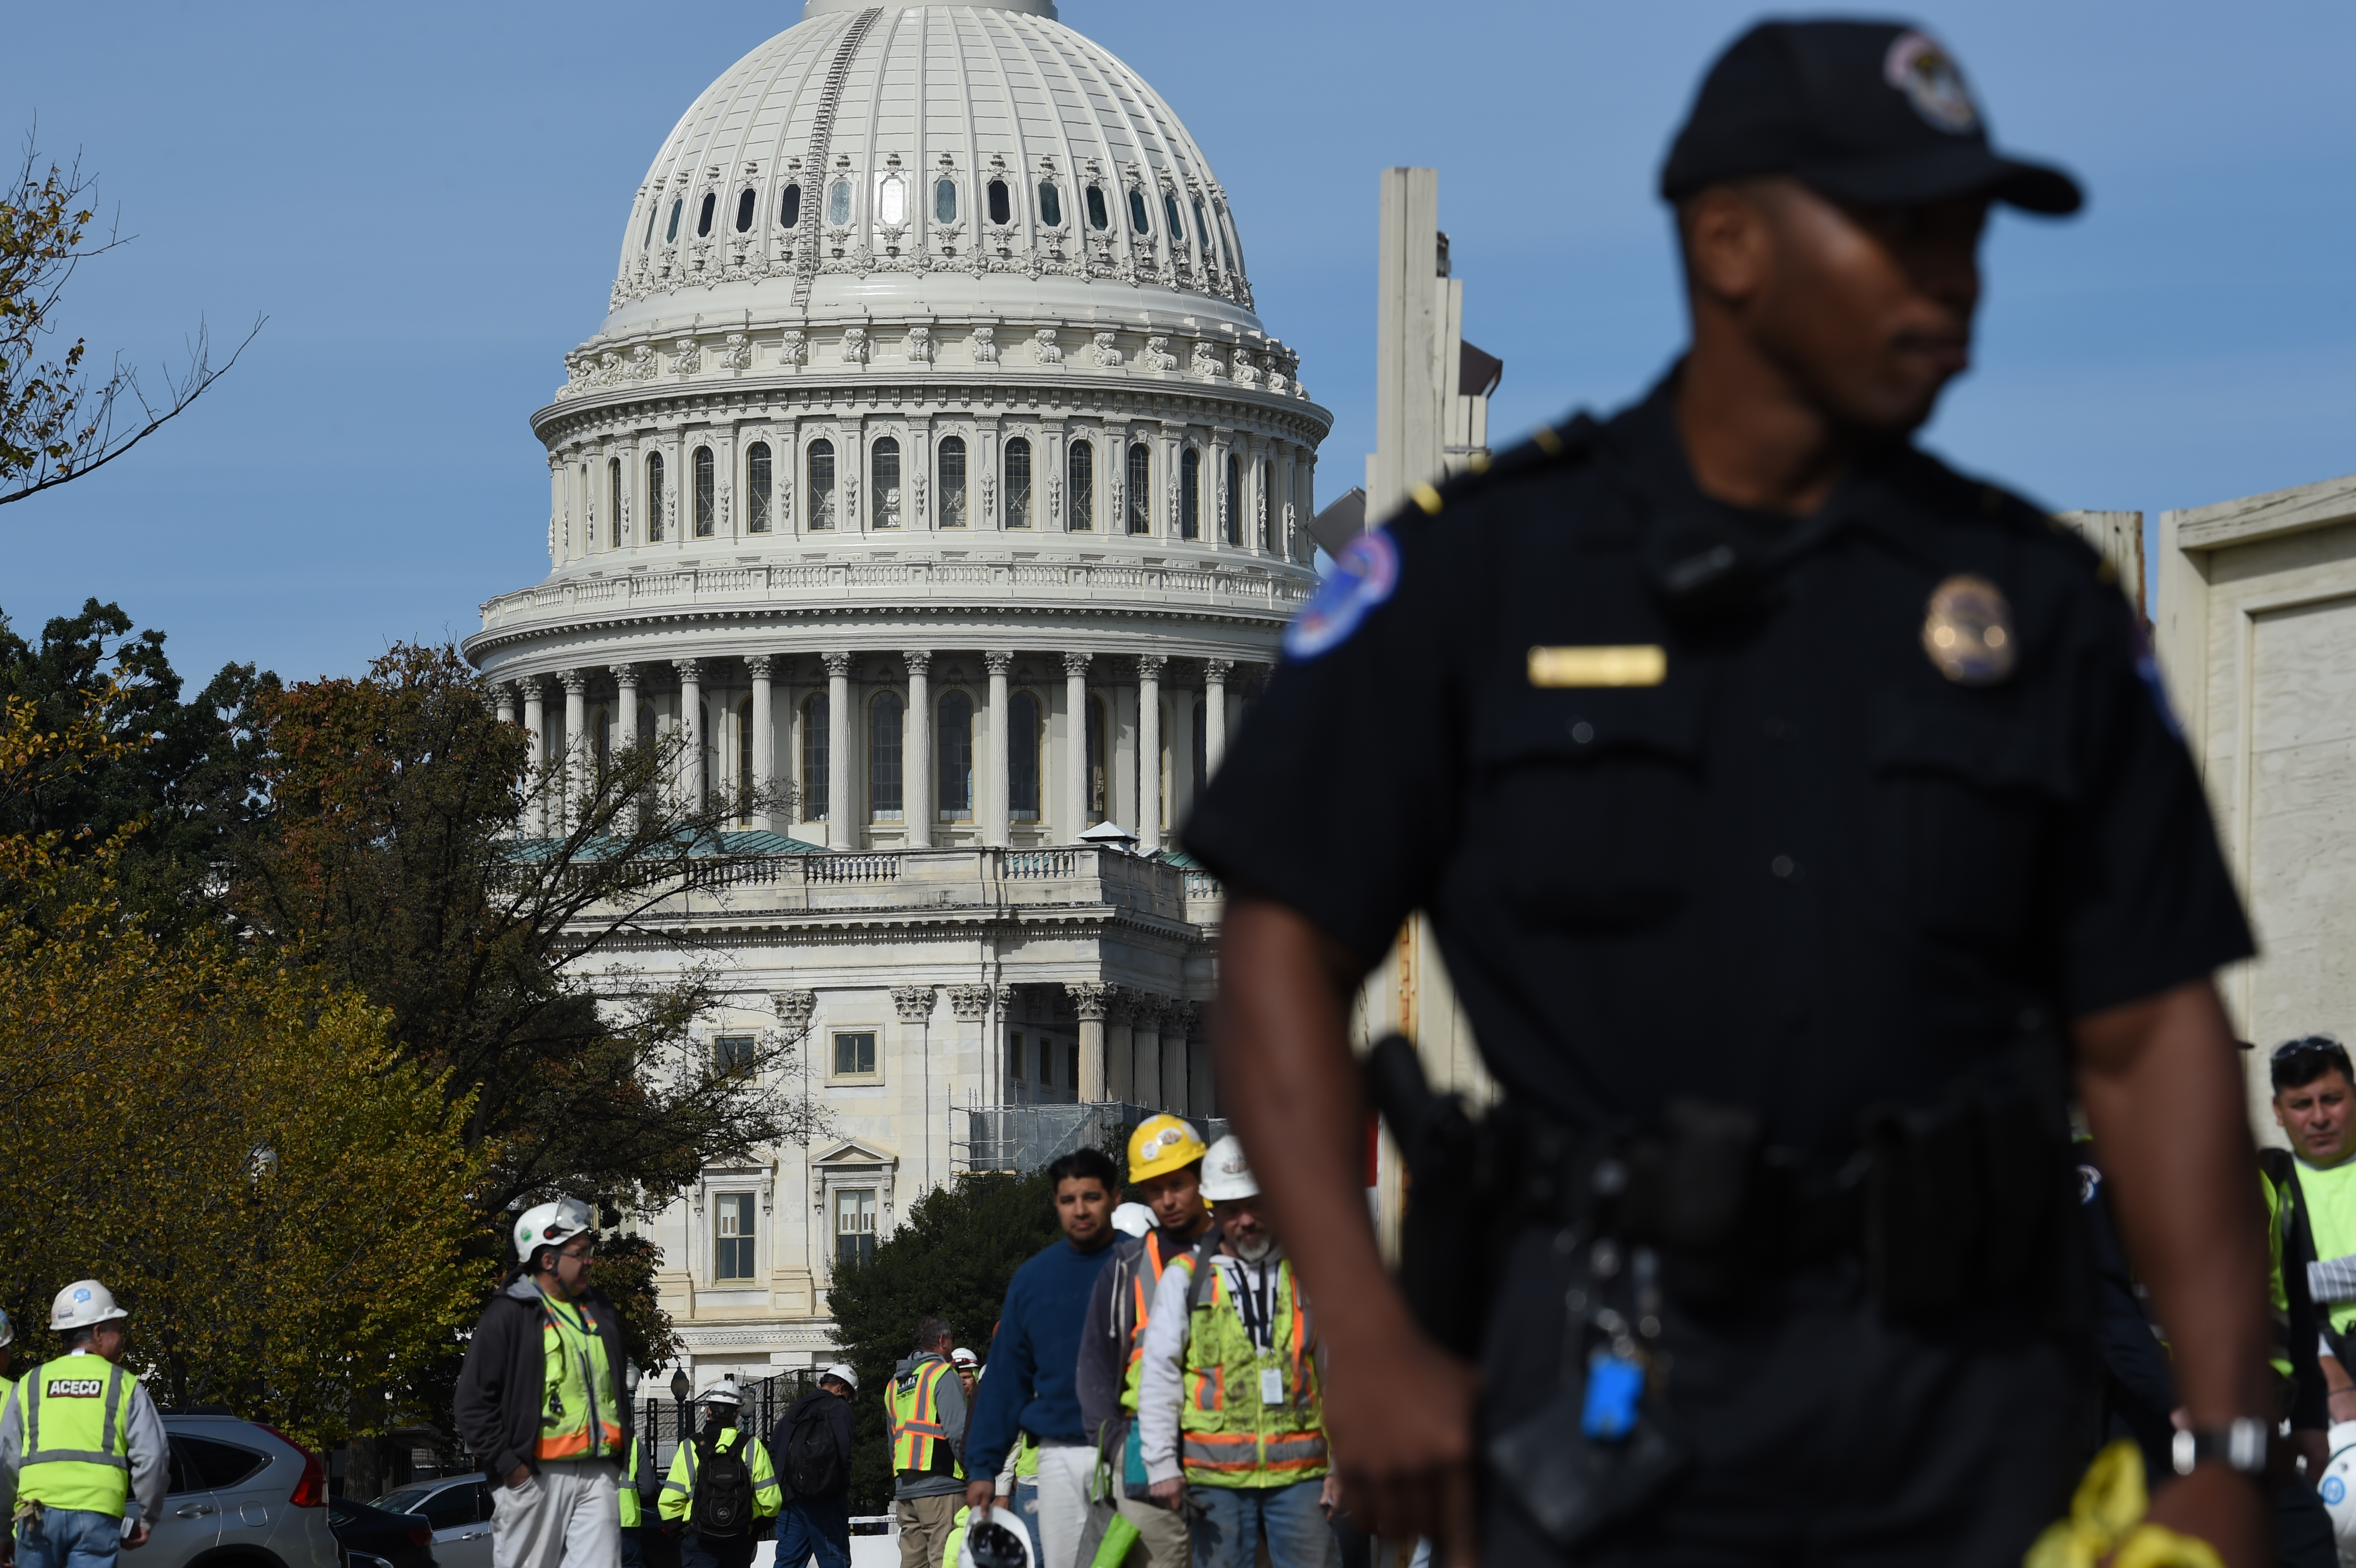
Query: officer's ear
{"points": [[1726, 235]]}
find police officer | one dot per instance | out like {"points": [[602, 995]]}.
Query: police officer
{"points": [[83, 1462], [1796, 816]]}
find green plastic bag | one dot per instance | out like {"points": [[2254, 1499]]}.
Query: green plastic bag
{"points": [[1118, 1537]]}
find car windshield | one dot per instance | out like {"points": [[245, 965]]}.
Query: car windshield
{"points": [[404, 1500]]}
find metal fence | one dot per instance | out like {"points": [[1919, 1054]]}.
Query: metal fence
{"points": [[662, 1420], [1025, 1137]]}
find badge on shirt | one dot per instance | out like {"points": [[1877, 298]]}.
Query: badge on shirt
{"points": [[1968, 631], [1363, 575], [1630, 663], [1271, 1386]]}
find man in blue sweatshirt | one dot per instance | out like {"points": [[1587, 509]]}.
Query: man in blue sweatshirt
{"points": [[1033, 1361]]}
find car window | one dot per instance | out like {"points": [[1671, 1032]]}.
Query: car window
{"points": [[216, 1465], [449, 1507], [184, 1473], [405, 1500]]}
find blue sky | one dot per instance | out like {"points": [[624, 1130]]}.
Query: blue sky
{"points": [[425, 199]]}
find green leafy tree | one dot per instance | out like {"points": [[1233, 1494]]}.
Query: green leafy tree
{"points": [[624, 1270]]}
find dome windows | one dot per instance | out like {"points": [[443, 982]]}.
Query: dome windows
{"points": [[677, 206], [883, 483], [1190, 495], [704, 214], [1137, 219], [1202, 232], [1081, 480], [1234, 501], [1177, 222], [1140, 492], [653, 216], [1018, 483], [883, 777], [654, 497], [944, 201], [822, 484], [744, 212], [1002, 202], [953, 482], [707, 500], [1097, 216], [892, 201], [956, 749], [789, 208], [838, 203], [757, 485], [1051, 205], [614, 483]]}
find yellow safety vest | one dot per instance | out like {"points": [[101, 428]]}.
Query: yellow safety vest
{"points": [[630, 1501], [913, 1401], [578, 1381], [1149, 1259], [1230, 1433], [77, 1434]]}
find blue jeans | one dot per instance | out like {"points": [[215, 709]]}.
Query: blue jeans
{"points": [[1229, 1523], [1026, 1503], [69, 1538], [632, 1557], [814, 1527]]}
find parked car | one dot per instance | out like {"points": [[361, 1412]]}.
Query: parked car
{"points": [[394, 1539], [242, 1495], [457, 1509]]}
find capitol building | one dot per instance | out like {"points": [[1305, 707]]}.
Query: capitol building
{"points": [[934, 481]]}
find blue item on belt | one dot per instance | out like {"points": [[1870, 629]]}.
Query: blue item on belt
{"points": [[1615, 1386]]}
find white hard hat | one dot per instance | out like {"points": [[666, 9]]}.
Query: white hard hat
{"points": [[998, 1552], [550, 1224], [843, 1369], [1226, 1175], [961, 1356], [724, 1391], [1133, 1219], [84, 1303], [7, 1330], [2337, 1486]]}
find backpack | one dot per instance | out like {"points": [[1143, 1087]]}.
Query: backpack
{"points": [[722, 1504], [813, 1462]]}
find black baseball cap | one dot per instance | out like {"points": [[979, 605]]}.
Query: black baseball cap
{"points": [[1870, 111]]}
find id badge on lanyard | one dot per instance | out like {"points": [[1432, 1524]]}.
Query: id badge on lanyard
{"points": [[1271, 1386]]}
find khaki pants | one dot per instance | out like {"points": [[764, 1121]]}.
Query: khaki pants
{"points": [[567, 1511], [1162, 1540], [924, 1526]]}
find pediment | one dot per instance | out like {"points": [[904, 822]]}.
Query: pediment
{"points": [[858, 1151]]}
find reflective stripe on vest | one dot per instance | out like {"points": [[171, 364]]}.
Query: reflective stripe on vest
{"points": [[77, 1442], [629, 1499], [1133, 1377], [1226, 1436], [913, 1402], [574, 1374]]}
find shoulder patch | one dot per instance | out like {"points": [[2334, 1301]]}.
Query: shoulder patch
{"points": [[1363, 575]]}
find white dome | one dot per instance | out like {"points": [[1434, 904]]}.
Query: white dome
{"points": [[951, 161]]}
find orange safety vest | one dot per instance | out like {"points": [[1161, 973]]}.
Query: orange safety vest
{"points": [[1143, 1291]]}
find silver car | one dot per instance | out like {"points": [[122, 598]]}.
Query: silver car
{"points": [[242, 1495], [459, 1510]]}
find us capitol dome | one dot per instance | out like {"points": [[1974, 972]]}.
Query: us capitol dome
{"points": [[933, 475]]}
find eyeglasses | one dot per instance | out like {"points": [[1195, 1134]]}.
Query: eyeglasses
{"points": [[2310, 1045]]}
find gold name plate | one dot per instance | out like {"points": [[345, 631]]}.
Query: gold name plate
{"points": [[1635, 664]]}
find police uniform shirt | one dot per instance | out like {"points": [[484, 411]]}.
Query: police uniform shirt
{"points": [[1771, 855]]}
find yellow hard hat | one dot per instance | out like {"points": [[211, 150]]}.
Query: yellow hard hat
{"points": [[1162, 1145]]}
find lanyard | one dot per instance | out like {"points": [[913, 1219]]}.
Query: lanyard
{"points": [[1254, 1301]]}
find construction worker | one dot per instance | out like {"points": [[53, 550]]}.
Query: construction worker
{"points": [[811, 1450], [1165, 1164], [721, 1486], [633, 1506], [926, 1406], [7, 1338], [1230, 1419], [83, 1460], [540, 1399], [967, 1367]]}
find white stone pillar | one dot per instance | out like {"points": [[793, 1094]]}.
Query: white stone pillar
{"points": [[625, 715], [1120, 1058], [1089, 999], [1215, 720], [1075, 746], [764, 747], [917, 751], [1176, 1019], [914, 1006], [1149, 752], [690, 731], [503, 698], [535, 721], [994, 821], [837, 752], [1145, 1053], [576, 754]]}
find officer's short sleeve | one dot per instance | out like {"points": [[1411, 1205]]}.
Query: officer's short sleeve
{"points": [[2147, 902], [1336, 791]]}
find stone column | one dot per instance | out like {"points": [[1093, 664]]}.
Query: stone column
{"points": [[1121, 1045], [1201, 1083], [971, 1006], [1145, 1053], [691, 730], [1215, 719], [626, 717], [916, 752], [837, 752], [914, 1006], [1089, 999], [1149, 752], [535, 721], [1176, 1020], [503, 698], [793, 1009], [994, 831], [1076, 745], [764, 747], [576, 751]]}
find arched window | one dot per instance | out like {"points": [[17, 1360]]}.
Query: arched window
{"points": [[1018, 483], [654, 496], [1140, 488], [1051, 204], [953, 482], [838, 203], [707, 501], [892, 201], [1265, 512], [1138, 221], [1081, 480], [613, 501], [1202, 231], [654, 215], [816, 737], [1001, 203], [1234, 501], [1190, 495], [1099, 776], [883, 482], [744, 212], [757, 483], [707, 741], [944, 201], [704, 214], [744, 759], [1177, 223], [1097, 216], [1023, 756], [789, 208], [956, 749], [822, 484], [883, 793], [677, 206]]}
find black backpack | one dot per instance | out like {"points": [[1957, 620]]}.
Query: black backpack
{"points": [[722, 1504], [813, 1462]]}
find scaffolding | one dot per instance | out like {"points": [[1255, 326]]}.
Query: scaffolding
{"points": [[1022, 1139]]}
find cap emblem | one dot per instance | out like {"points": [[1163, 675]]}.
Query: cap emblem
{"points": [[1968, 631], [1921, 67], [82, 1294]]}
